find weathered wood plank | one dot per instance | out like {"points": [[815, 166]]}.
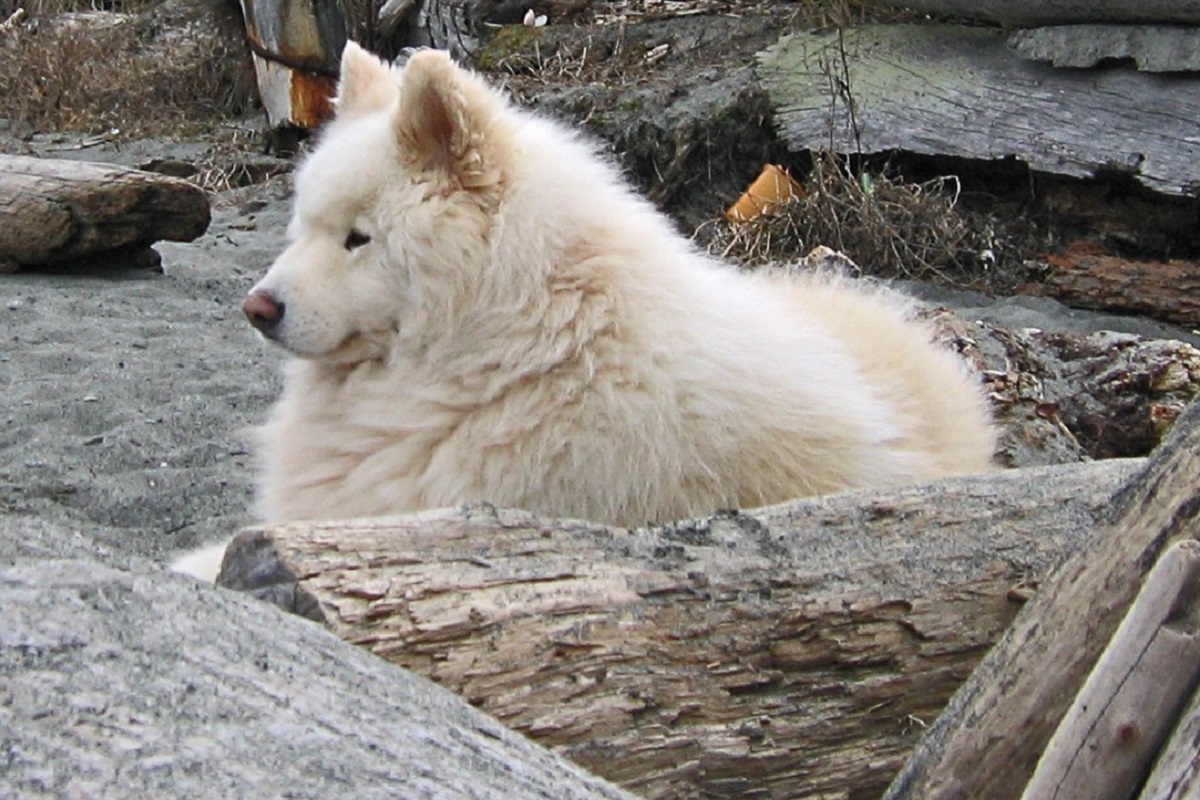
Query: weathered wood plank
{"points": [[1029, 13], [1121, 717], [939, 89], [988, 741], [793, 651], [53, 211], [1176, 774]]}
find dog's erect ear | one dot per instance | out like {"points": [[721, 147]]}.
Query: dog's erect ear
{"points": [[366, 83], [444, 120]]}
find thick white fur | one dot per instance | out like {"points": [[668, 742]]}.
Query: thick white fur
{"points": [[522, 329]]}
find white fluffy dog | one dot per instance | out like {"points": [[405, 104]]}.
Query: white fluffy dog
{"points": [[479, 309]]}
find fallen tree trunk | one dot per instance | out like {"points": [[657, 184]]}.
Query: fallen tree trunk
{"points": [[118, 684], [54, 211], [794, 651], [991, 737], [955, 94]]}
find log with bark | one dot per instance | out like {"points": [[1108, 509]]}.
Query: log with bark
{"points": [[995, 730], [959, 91], [54, 211], [1066, 396], [788, 652], [1085, 278]]}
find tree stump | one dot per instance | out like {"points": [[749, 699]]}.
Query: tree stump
{"points": [[54, 211]]}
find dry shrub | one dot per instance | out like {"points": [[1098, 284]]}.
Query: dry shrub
{"points": [[98, 70], [889, 227]]}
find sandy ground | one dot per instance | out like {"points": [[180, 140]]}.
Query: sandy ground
{"points": [[125, 395]]}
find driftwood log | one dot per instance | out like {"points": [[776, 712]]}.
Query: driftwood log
{"points": [[793, 651], [53, 211], [296, 45], [993, 734], [1176, 774], [1168, 290], [138, 684], [1031, 13], [959, 91], [1067, 396]]}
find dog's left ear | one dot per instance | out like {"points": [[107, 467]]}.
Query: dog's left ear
{"points": [[445, 120]]}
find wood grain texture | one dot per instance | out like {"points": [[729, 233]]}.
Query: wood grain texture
{"points": [[959, 91], [52, 211], [995, 729], [1152, 48], [1176, 773], [1121, 717], [1167, 290], [795, 651]]}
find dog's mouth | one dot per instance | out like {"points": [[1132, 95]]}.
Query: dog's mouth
{"points": [[356, 348]]}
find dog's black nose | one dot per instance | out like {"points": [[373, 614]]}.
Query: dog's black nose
{"points": [[263, 311]]}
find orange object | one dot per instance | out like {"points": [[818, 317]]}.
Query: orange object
{"points": [[771, 189]]}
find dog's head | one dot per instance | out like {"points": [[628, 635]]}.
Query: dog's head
{"points": [[393, 210]]}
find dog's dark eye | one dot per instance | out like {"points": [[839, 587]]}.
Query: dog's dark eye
{"points": [[355, 239]]}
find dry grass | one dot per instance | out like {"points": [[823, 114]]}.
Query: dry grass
{"points": [[888, 227], [74, 69]]}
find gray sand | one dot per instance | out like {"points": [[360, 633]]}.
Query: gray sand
{"points": [[125, 397]]}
